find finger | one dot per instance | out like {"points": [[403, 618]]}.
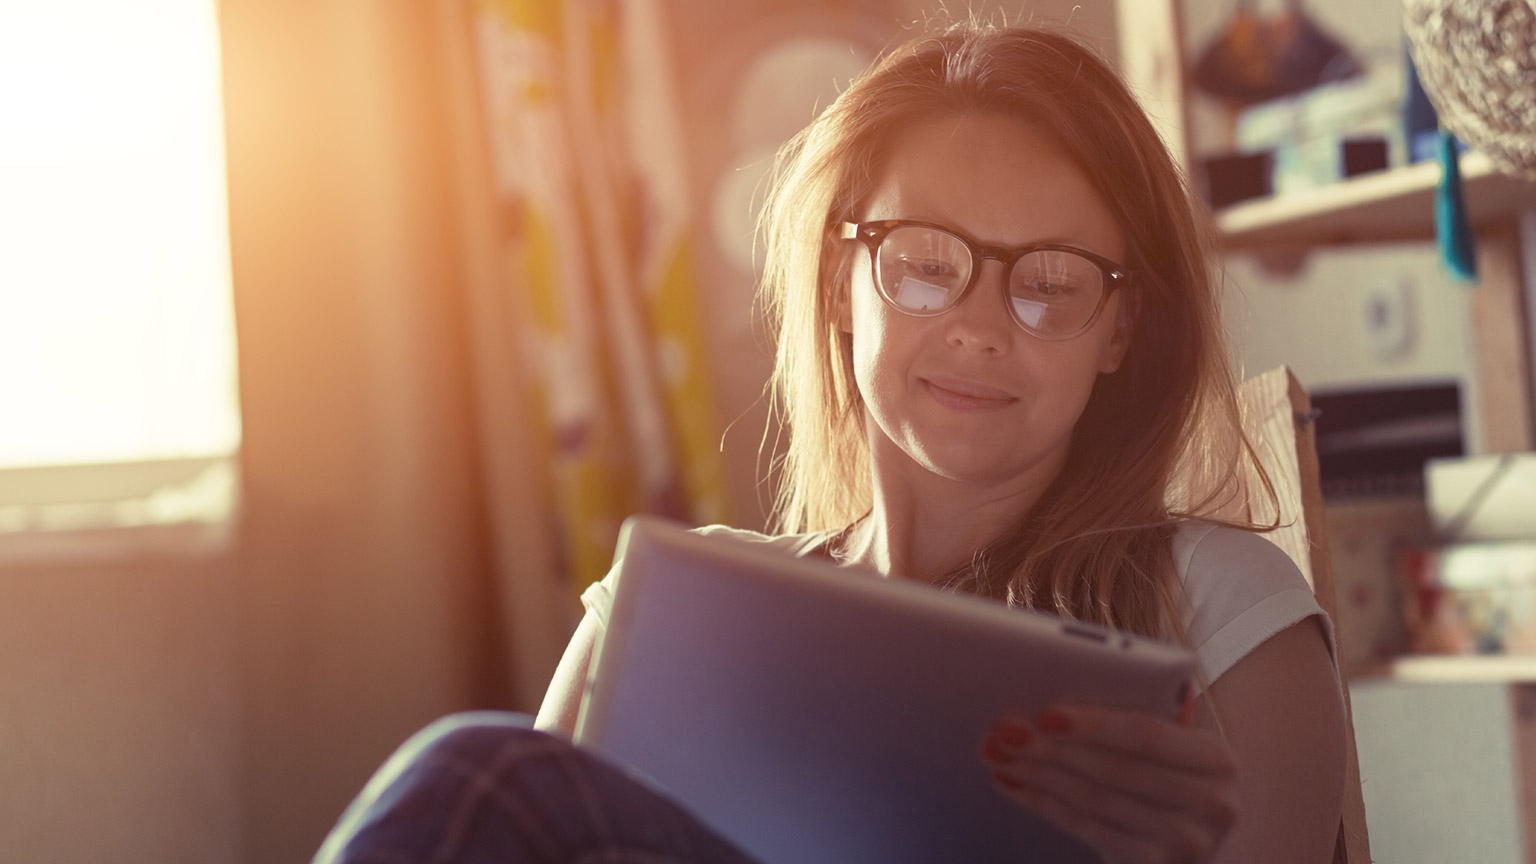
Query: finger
{"points": [[1189, 749], [1117, 800], [1136, 796], [1114, 842], [1152, 782], [1116, 807]]}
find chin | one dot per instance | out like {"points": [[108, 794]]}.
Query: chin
{"points": [[982, 472], [986, 466]]}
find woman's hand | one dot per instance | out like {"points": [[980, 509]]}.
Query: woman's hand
{"points": [[1133, 787]]}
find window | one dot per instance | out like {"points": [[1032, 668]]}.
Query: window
{"points": [[118, 402]]}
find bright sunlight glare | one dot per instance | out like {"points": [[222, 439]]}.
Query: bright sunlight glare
{"points": [[116, 322]]}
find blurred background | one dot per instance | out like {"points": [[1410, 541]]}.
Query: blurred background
{"points": [[337, 337]]}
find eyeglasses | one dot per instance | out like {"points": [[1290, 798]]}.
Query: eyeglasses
{"points": [[1054, 292]]}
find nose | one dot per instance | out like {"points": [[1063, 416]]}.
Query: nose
{"points": [[979, 324]]}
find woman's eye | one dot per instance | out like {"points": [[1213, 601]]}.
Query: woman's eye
{"points": [[1042, 288], [931, 269]]}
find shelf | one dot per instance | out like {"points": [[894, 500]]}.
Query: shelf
{"points": [[1511, 668], [1384, 207]]}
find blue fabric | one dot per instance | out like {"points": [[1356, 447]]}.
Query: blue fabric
{"points": [[486, 787], [1453, 230]]}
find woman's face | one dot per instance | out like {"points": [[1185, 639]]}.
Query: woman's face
{"points": [[969, 395]]}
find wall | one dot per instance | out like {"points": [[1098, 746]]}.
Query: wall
{"points": [[1366, 317], [120, 722], [1442, 768]]}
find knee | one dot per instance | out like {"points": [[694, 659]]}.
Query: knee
{"points": [[449, 745], [407, 797], [467, 734]]}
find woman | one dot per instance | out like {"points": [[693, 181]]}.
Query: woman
{"points": [[998, 347]]}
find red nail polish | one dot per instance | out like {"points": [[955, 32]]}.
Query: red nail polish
{"points": [[1013, 735], [1006, 781], [1052, 720], [1187, 704], [993, 750]]}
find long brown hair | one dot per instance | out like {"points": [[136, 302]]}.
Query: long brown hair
{"points": [[1159, 440]]}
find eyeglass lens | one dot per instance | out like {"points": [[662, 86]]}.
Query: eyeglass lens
{"points": [[925, 271]]}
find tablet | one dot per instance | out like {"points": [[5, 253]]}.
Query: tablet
{"points": [[817, 714]]}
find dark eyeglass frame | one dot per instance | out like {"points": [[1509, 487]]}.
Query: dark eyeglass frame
{"points": [[872, 234]]}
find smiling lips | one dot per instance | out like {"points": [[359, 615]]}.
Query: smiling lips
{"points": [[967, 395]]}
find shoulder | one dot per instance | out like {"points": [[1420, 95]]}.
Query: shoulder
{"points": [[1201, 546], [598, 598], [1214, 558], [1241, 590]]}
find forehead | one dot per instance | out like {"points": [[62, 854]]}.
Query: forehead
{"points": [[996, 178]]}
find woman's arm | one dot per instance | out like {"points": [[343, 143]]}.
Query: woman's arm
{"points": [[1283, 715], [562, 700]]}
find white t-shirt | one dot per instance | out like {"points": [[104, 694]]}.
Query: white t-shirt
{"points": [[1241, 589]]}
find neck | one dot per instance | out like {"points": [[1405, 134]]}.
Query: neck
{"points": [[925, 529]]}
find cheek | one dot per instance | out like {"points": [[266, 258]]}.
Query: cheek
{"points": [[886, 344], [1066, 373], [1118, 340], [869, 324], [848, 276], [869, 347]]}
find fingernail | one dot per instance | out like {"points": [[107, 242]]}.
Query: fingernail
{"points": [[1012, 734], [1006, 781], [1052, 720], [993, 750]]}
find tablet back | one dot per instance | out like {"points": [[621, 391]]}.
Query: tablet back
{"points": [[821, 715]]}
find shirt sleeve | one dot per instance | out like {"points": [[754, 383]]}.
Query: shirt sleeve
{"points": [[1242, 589], [598, 598]]}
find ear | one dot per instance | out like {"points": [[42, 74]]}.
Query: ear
{"points": [[1120, 339]]}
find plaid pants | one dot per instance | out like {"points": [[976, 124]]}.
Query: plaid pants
{"points": [[486, 788]]}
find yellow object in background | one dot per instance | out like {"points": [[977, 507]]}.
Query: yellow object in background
{"points": [[589, 166]]}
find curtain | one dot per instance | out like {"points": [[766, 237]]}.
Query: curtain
{"points": [[588, 166], [358, 594], [593, 287]]}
